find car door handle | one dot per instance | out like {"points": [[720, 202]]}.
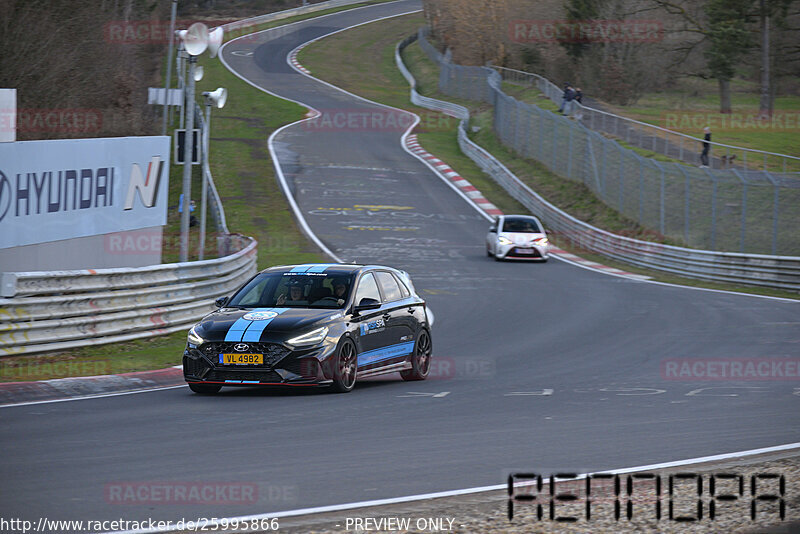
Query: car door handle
{"points": [[386, 316], [411, 310]]}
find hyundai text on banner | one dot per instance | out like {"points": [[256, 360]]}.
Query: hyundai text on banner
{"points": [[63, 189]]}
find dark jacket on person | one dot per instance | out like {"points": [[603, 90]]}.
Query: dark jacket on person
{"points": [[706, 144]]}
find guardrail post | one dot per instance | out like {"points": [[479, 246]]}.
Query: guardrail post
{"points": [[8, 284]]}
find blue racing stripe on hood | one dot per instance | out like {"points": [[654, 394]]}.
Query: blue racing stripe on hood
{"points": [[238, 328], [256, 328]]}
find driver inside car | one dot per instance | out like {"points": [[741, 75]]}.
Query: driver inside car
{"points": [[295, 297]]}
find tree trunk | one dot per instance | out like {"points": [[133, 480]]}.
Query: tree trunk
{"points": [[724, 95], [765, 102]]}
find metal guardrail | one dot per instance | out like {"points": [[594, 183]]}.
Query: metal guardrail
{"points": [[751, 269], [50, 311], [750, 212], [652, 137]]}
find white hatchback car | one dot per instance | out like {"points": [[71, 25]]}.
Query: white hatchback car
{"points": [[519, 237]]}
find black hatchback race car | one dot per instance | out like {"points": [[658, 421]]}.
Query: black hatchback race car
{"points": [[311, 325]]}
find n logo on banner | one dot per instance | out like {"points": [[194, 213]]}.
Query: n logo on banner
{"points": [[146, 186]]}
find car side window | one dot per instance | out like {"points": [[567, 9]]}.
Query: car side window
{"points": [[389, 285], [367, 289], [403, 289]]}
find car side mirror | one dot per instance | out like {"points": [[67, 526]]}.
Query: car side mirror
{"points": [[367, 304], [220, 302], [493, 230]]}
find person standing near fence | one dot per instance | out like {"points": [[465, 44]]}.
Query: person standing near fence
{"points": [[566, 98], [706, 148]]}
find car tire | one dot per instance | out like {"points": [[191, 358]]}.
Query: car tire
{"points": [[345, 367], [489, 253], [205, 389], [421, 359]]}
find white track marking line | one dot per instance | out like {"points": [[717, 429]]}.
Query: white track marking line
{"points": [[96, 396]]}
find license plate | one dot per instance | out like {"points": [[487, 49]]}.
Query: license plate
{"points": [[241, 359], [524, 251]]}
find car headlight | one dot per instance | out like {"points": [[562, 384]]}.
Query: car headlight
{"points": [[504, 240], [542, 241], [311, 338], [193, 337]]}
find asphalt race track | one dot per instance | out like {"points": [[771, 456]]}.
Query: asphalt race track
{"points": [[543, 367]]}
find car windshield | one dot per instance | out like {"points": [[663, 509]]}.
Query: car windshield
{"points": [[293, 290], [521, 225]]}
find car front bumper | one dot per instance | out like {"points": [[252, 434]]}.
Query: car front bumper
{"points": [[520, 252], [282, 366]]}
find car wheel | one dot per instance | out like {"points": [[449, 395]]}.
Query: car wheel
{"points": [[205, 389], [489, 253], [344, 373], [421, 359]]}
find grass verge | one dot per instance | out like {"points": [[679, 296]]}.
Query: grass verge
{"points": [[343, 58]]}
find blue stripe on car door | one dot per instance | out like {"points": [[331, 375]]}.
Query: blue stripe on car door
{"points": [[384, 353]]}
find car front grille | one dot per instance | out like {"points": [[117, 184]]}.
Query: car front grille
{"points": [[273, 352], [515, 253]]}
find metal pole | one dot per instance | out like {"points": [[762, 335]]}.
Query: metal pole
{"points": [[744, 217], [569, 151], [183, 55], [775, 220], [661, 204], [641, 191], [713, 212], [204, 180], [686, 210], [187, 161], [169, 66]]}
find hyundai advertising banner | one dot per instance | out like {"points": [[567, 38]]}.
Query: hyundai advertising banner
{"points": [[63, 189]]}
